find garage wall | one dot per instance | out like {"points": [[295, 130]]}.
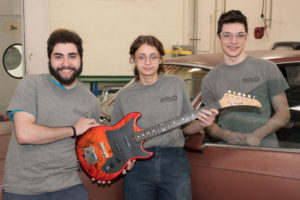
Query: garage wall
{"points": [[109, 26], [281, 17]]}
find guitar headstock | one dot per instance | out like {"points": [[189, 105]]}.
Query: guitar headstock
{"points": [[237, 99]]}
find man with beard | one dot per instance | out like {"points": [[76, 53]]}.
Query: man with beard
{"points": [[48, 112]]}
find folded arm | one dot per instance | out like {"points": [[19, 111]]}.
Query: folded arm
{"points": [[279, 119], [28, 132]]}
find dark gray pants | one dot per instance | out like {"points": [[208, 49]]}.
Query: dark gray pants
{"points": [[77, 192], [165, 176]]}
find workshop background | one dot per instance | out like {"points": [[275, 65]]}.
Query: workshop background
{"points": [[108, 27]]}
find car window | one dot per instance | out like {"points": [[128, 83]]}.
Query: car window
{"points": [[289, 136], [284, 48], [191, 76], [292, 73]]}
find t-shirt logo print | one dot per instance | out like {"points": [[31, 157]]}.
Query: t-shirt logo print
{"points": [[251, 79], [168, 99]]}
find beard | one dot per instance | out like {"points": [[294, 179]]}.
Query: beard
{"points": [[62, 80]]}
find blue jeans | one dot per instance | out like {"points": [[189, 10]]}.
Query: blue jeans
{"points": [[165, 176], [77, 192]]}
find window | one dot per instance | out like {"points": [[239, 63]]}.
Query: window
{"points": [[289, 136], [191, 76], [12, 61]]}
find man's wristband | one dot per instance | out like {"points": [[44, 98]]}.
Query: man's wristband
{"points": [[74, 132]]}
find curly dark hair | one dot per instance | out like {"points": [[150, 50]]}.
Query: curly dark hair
{"points": [[151, 41], [232, 16], [64, 36]]}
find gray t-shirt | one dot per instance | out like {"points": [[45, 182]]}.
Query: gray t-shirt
{"points": [[257, 77], [37, 169], [164, 100]]}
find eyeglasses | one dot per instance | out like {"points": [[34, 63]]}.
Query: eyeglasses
{"points": [[153, 58], [230, 36]]}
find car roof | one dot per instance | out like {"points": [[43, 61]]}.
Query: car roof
{"points": [[211, 60]]}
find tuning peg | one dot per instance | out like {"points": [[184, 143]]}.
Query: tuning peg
{"points": [[239, 94], [244, 95], [229, 91], [249, 96], [253, 97], [234, 92]]}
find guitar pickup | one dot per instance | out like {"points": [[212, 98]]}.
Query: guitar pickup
{"points": [[103, 150], [90, 155]]}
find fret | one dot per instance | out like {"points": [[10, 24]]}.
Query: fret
{"points": [[148, 134]]}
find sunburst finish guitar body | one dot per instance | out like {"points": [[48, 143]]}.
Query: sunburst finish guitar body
{"points": [[104, 151]]}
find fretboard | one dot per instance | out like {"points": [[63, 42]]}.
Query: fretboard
{"points": [[165, 126]]}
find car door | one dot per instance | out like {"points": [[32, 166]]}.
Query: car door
{"points": [[223, 171]]}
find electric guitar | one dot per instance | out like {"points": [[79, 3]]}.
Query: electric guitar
{"points": [[104, 151]]}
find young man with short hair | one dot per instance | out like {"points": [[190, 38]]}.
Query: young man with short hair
{"points": [[246, 74]]}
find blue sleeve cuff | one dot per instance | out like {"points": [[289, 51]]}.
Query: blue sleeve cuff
{"points": [[11, 113]]}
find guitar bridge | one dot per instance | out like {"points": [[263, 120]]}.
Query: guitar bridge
{"points": [[90, 155]]}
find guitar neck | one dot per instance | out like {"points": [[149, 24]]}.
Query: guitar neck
{"points": [[165, 126]]}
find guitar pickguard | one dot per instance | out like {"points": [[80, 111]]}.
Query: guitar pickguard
{"points": [[123, 146]]}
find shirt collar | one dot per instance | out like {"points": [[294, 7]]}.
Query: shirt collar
{"points": [[60, 85]]}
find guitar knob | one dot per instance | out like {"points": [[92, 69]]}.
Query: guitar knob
{"points": [[111, 165]]}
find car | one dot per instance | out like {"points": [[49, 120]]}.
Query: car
{"points": [[291, 45], [222, 171], [192, 70]]}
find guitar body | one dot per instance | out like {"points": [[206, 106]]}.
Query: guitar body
{"points": [[104, 151]]}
